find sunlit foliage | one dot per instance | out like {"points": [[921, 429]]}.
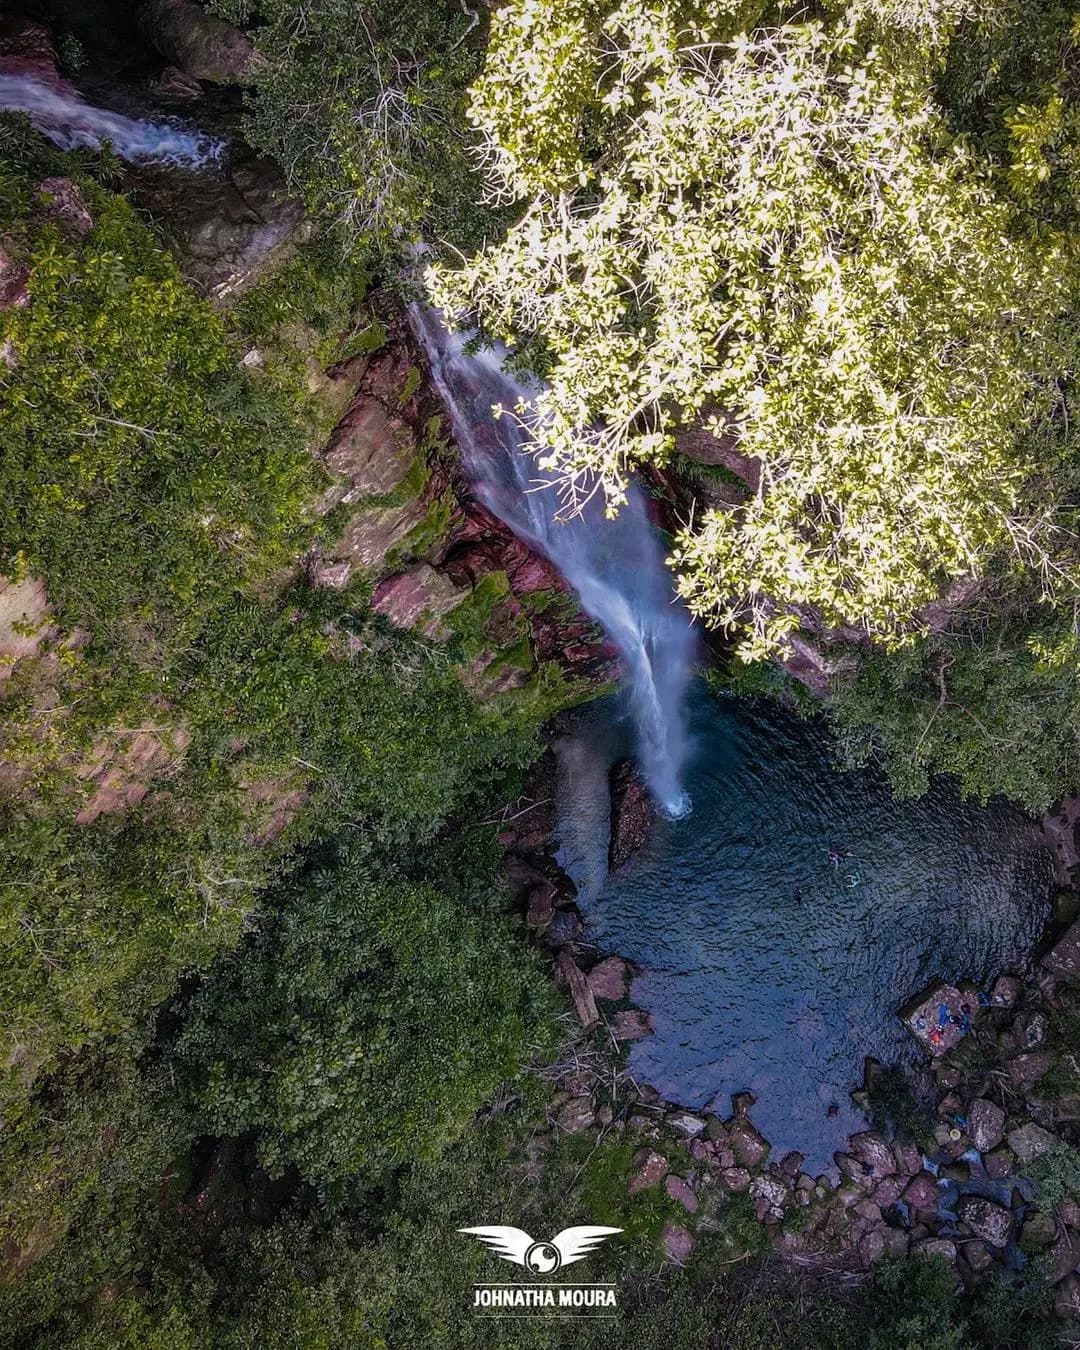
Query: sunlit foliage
{"points": [[771, 232]]}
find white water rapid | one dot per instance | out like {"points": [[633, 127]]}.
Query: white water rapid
{"points": [[74, 125], [616, 566]]}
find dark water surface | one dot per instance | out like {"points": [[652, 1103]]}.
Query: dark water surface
{"points": [[768, 965]]}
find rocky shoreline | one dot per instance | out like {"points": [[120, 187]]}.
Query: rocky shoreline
{"points": [[957, 1185]]}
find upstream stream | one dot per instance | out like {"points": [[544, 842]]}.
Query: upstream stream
{"points": [[781, 925]]}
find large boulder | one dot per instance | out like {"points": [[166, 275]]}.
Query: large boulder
{"points": [[580, 994], [419, 599], [677, 1244], [874, 1153], [921, 1192], [238, 228], [1063, 959], [610, 979], [65, 206], [631, 1025], [202, 45], [937, 1019], [25, 620], [986, 1124], [1030, 1141], [632, 814], [26, 48], [751, 1149], [991, 1222], [651, 1169]]}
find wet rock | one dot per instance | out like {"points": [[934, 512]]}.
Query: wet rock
{"points": [[873, 1152], [237, 231], [935, 1247], [679, 1190], [750, 1148], [580, 994], [652, 1168], [852, 1168], [26, 48], [632, 814], [174, 83], [741, 1103], [65, 205], [610, 979], [991, 1222], [1065, 906], [687, 1124], [769, 1196], [419, 599], [631, 1025], [1006, 992], [921, 1192], [1000, 1162], [202, 45], [790, 1165], [677, 1243], [1027, 1069], [986, 1124], [1038, 1232], [736, 1179], [907, 1155], [1063, 959], [565, 927], [1030, 1141]]}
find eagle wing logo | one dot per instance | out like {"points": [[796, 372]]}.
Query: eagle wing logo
{"points": [[542, 1258]]}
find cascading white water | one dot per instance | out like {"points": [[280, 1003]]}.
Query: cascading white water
{"points": [[616, 566], [74, 125]]}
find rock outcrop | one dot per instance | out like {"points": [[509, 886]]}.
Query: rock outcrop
{"points": [[200, 44], [237, 226], [632, 814], [26, 48]]}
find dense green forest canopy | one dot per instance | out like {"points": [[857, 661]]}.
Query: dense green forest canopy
{"points": [[771, 227]]}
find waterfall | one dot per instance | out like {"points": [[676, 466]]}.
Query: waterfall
{"points": [[68, 122], [616, 567]]}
